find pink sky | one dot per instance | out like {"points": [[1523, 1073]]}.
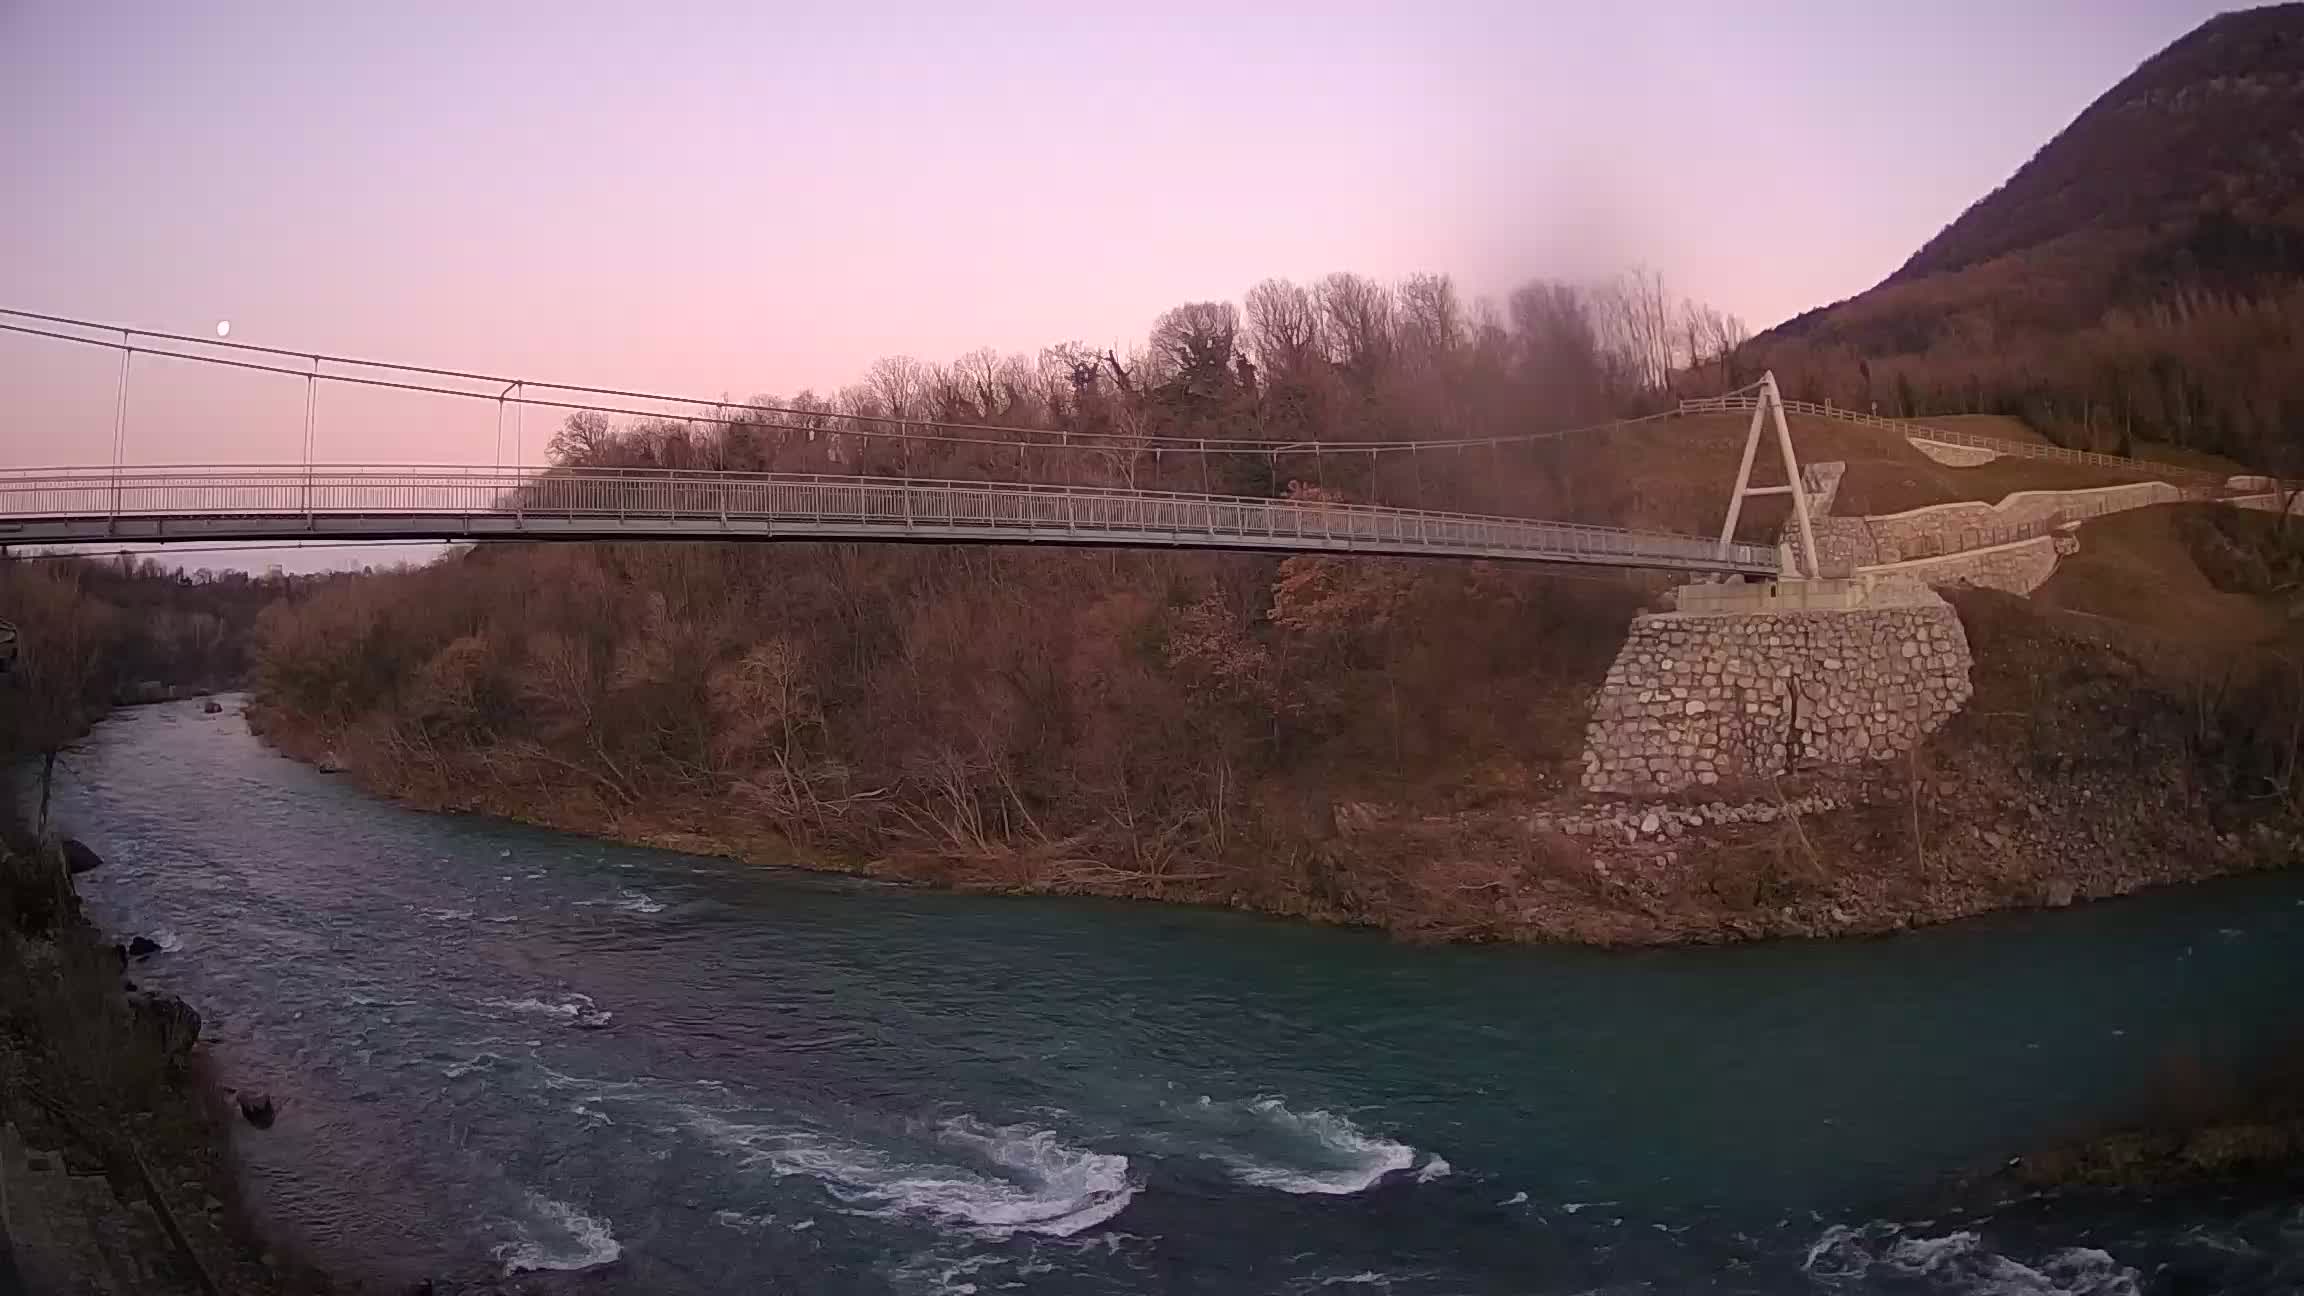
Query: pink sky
{"points": [[744, 198]]}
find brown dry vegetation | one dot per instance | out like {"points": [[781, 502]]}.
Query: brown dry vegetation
{"points": [[1344, 739], [2200, 1124], [2140, 280], [1348, 739], [1143, 724], [1885, 474], [88, 629]]}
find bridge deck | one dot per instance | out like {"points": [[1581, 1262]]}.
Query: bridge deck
{"points": [[145, 505]]}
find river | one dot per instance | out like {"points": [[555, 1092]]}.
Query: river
{"points": [[499, 1050]]}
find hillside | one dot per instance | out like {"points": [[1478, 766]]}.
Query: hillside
{"points": [[2199, 147], [2137, 279]]}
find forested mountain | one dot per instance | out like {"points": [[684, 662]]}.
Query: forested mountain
{"points": [[2142, 277]]}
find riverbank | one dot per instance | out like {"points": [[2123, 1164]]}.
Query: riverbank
{"points": [[2092, 762], [671, 1075], [116, 1164], [2198, 1127]]}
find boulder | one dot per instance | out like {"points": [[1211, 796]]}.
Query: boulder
{"points": [[331, 763], [78, 858], [1353, 818], [257, 1107], [143, 947], [2058, 894], [168, 1024], [212, 707]]}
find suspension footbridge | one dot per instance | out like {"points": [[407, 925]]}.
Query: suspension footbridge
{"points": [[893, 480]]}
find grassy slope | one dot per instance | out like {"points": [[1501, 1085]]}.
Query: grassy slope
{"points": [[2000, 427], [2008, 427], [1691, 462], [2140, 568]]}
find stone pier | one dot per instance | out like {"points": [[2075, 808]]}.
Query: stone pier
{"points": [[1751, 681]]}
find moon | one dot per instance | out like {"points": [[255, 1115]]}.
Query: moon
{"points": [[223, 328]]}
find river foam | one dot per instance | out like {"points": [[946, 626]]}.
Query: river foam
{"points": [[572, 1008], [557, 1236], [1860, 1258], [1265, 1143], [627, 901], [990, 1180]]}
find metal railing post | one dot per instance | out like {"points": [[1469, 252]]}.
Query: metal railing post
{"points": [[311, 398], [120, 431]]}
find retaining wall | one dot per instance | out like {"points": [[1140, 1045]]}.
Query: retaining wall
{"points": [[2017, 568], [1939, 528], [1698, 699]]}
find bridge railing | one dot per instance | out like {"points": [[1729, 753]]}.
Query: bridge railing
{"points": [[494, 501], [1746, 402]]}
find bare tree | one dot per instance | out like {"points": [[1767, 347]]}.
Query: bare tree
{"points": [[1432, 318], [1195, 343], [901, 386], [582, 439], [1712, 340], [1561, 349], [1636, 322], [1356, 322], [1283, 328]]}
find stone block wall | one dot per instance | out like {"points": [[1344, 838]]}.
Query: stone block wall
{"points": [[2269, 503], [1846, 543], [1694, 700], [1941, 528], [1953, 456], [1843, 542], [2017, 568]]}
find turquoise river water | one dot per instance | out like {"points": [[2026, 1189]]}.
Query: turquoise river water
{"points": [[502, 1051]]}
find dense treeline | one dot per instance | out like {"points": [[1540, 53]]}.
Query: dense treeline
{"points": [[1118, 722], [90, 632], [1180, 725], [1346, 360], [2218, 373]]}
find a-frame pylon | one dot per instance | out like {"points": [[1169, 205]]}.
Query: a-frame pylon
{"points": [[1770, 405]]}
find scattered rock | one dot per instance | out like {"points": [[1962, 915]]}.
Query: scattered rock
{"points": [[257, 1107], [80, 859], [1994, 840], [1650, 824], [171, 1024], [330, 763]]}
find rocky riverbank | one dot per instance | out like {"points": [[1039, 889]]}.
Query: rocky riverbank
{"points": [[2084, 767], [115, 1147]]}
